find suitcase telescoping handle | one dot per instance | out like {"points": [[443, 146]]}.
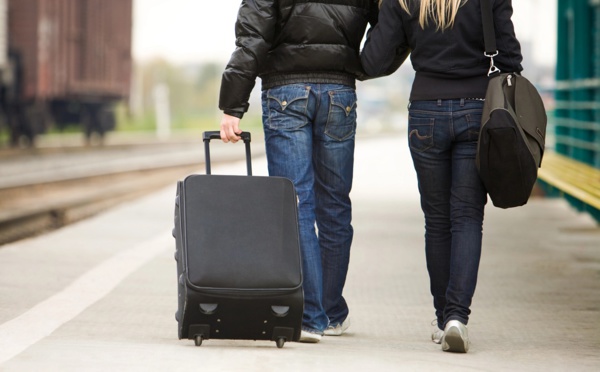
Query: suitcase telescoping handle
{"points": [[210, 135]]}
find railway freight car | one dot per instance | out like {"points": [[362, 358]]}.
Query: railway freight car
{"points": [[68, 62]]}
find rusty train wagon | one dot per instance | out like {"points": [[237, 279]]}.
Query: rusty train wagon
{"points": [[69, 62]]}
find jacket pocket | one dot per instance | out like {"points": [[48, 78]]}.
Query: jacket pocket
{"points": [[341, 121], [287, 106], [420, 133]]}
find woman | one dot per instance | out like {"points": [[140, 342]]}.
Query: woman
{"points": [[446, 101]]}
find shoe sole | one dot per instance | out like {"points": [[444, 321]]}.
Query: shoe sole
{"points": [[308, 338], [437, 336], [337, 331], [453, 341], [334, 332]]}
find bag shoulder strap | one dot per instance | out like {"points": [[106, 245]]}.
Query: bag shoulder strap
{"points": [[489, 34]]}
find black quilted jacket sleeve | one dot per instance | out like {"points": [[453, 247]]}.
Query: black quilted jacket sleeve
{"points": [[254, 29]]}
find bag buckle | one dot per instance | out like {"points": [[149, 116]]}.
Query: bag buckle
{"points": [[493, 69]]}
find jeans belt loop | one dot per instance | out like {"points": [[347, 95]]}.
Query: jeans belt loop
{"points": [[439, 103]]}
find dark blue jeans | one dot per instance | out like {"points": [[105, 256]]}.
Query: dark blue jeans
{"points": [[309, 136], [443, 143]]}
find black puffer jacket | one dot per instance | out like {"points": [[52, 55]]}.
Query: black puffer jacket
{"points": [[294, 41]]}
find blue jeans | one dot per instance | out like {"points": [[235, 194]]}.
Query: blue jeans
{"points": [[443, 138], [309, 137]]}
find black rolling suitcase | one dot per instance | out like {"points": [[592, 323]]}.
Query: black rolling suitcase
{"points": [[238, 256]]}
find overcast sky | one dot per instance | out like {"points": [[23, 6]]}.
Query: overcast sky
{"points": [[188, 31]]}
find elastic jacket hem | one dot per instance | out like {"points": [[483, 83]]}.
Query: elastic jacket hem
{"points": [[274, 80], [432, 86]]}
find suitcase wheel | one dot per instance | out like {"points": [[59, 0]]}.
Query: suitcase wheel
{"points": [[280, 311], [198, 340], [280, 342]]}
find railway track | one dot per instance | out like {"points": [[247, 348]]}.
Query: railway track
{"points": [[45, 191]]}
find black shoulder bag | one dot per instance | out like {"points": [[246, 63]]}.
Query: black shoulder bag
{"points": [[513, 129]]}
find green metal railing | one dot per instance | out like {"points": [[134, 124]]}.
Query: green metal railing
{"points": [[577, 111]]}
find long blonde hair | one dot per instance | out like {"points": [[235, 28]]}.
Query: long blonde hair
{"points": [[441, 12]]}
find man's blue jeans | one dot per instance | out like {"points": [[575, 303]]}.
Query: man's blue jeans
{"points": [[309, 136], [443, 138]]}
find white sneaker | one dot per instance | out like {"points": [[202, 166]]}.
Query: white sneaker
{"points": [[437, 334], [456, 337], [338, 329], [309, 337]]}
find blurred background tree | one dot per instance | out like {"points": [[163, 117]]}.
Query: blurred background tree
{"points": [[193, 97]]}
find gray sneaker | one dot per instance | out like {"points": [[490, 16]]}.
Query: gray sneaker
{"points": [[338, 329], [456, 337], [437, 334]]}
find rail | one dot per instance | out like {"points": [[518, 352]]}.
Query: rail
{"points": [[43, 192], [33, 209]]}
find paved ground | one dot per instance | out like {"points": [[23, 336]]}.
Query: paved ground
{"points": [[101, 295]]}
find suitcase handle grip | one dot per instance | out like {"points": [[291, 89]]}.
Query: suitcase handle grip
{"points": [[215, 134], [210, 135]]}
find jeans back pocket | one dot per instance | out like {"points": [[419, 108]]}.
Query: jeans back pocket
{"points": [[420, 133], [286, 106], [474, 123], [341, 120]]}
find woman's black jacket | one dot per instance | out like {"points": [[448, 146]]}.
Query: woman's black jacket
{"points": [[451, 63]]}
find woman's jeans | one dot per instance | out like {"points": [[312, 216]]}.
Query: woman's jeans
{"points": [[309, 135], [443, 143]]}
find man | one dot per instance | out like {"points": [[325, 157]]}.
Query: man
{"points": [[307, 56]]}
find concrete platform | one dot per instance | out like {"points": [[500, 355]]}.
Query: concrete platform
{"points": [[100, 295]]}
